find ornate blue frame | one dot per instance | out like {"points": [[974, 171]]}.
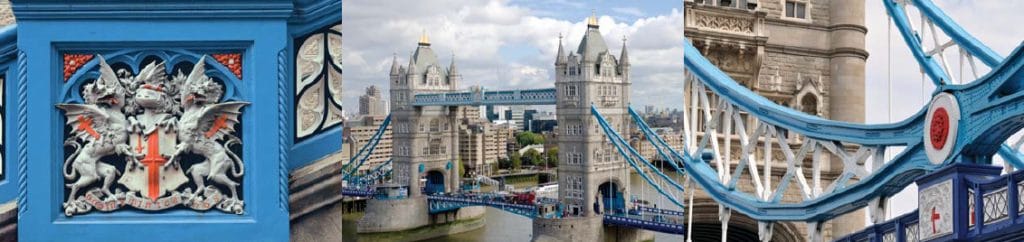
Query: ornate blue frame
{"points": [[49, 28], [310, 16]]}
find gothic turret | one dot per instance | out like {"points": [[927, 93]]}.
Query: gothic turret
{"points": [[561, 61], [560, 58], [453, 74], [624, 56], [394, 68], [624, 62], [411, 73]]}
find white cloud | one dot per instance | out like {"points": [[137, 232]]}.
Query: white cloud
{"points": [[502, 45]]}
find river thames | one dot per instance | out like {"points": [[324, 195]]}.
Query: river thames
{"points": [[502, 226]]}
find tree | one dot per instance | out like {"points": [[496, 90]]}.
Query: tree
{"points": [[462, 168], [504, 163], [529, 138], [552, 155], [515, 161], [533, 156]]}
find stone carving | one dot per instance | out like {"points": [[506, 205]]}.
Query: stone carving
{"points": [[152, 121], [724, 23]]}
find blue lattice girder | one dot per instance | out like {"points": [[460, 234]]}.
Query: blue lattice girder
{"points": [[633, 156], [885, 181], [438, 204], [365, 152], [901, 133], [543, 96], [632, 222], [992, 107]]}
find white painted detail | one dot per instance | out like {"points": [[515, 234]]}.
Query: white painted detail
{"points": [[935, 216], [949, 103]]}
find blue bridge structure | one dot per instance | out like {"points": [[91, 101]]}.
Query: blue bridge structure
{"points": [[74, 76]]}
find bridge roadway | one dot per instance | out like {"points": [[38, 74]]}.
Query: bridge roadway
{"points": [[648, 218]]}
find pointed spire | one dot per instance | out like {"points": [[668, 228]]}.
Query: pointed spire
{"points": [[560, 58], [624, 57], [394, 64], [452, 70], [412, 65], [424, 40], [592, 20]]}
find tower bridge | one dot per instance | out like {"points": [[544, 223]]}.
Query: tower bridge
{"points": [[425, 98], [781, 164]]}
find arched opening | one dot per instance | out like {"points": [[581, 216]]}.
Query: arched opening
{"points": [[435, 182], [610, 198], [809, 104]]}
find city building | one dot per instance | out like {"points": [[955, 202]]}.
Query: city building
{"points": [[671, 136], [542, 122], [481, 143], [806, 54], [373, 103]]}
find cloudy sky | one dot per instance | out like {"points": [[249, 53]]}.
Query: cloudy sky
{"points": [[503, 44]]}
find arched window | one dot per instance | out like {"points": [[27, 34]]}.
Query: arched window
{"points": [[434, 125], [809, 104]]}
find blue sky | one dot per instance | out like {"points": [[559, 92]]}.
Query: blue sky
{"points": [[507, 44]]}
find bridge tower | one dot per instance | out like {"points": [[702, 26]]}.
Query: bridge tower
{"points": [[591, 76], [425, 137], [425, 144], [593, 178], [805, 54]]}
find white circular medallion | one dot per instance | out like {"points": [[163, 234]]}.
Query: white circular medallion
{"points": [[940, 127]]}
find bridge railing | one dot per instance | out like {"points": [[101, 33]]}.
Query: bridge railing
{"points": [[994, 204], [900, 229]]}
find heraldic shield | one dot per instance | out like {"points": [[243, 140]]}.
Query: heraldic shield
{"points": [[152, 141]]}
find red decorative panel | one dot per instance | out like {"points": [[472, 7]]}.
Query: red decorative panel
{"points": [[74, 61], [232, 61]]}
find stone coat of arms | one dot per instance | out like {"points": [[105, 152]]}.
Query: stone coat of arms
{"points": [[152, 121]]}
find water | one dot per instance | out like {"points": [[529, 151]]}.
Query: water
{"points": [[507, 227]]}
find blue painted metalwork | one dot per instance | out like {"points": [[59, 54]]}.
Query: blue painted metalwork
{"points": [[310, 16], [373, 175], [996, 208], [661, 211], [11, 170], [956, 33], [259, 30], [545, 96], [438, 204], [902, 229], [355, 192], [652, 225], [619, 143], [959, 36], [365, 152], [888, 180], [656, 141]]}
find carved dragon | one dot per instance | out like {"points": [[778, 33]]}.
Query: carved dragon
{"points": [[203, 122], [99, 129]]}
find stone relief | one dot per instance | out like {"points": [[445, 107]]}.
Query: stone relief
{"points": [[162, 128]]}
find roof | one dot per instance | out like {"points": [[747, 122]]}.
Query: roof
{"points": [[592, 45]]}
